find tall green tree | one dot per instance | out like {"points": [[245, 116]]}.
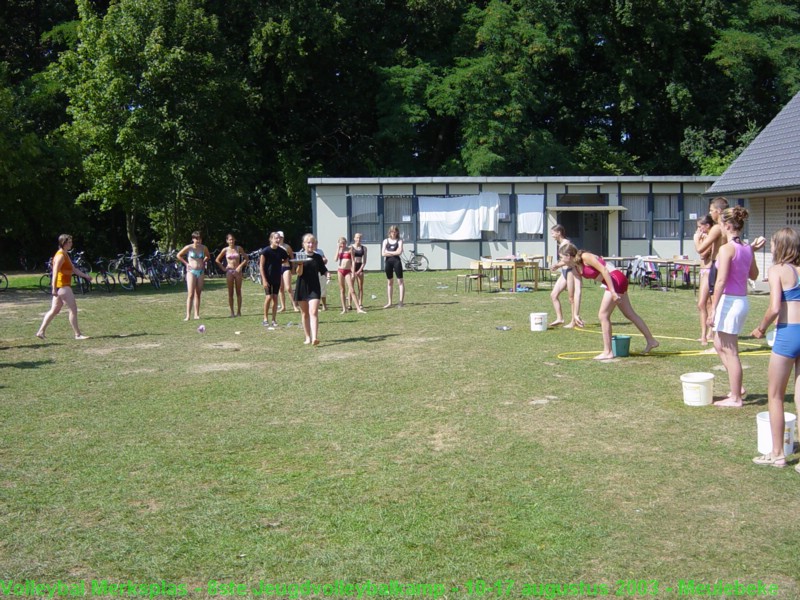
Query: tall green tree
{"points": [[157, 115]]}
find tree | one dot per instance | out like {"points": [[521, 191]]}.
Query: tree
{"points": [[154, 111]]}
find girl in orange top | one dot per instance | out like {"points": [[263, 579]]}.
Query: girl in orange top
{"points": [[61, 288]]}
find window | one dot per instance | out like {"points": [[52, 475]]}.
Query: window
{"points": [[665, 216], [504, 231], [364, 218], [634, 219], [695, 207], [397, 211]]}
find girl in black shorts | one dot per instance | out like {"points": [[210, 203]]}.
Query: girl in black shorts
{"points": [[272, 257], [391, 250]]}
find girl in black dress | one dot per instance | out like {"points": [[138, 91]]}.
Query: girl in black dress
{"points": [[307, 290]]}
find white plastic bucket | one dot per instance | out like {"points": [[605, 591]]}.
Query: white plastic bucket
{"points": [[698, 388], [538, 321], [765, 434]]}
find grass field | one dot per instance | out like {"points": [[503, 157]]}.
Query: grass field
{"points": [[419, 445]]}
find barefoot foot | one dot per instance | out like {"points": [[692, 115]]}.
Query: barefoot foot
{"points": [[387, 305], [650, 346], [604, 356], [40, 335], [557, 322], [729, 403]]}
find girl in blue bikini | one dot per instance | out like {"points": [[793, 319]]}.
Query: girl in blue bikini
{"points": [[194, 257], [784, 305]]}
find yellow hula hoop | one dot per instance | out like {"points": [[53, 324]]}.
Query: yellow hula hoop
{"points": [[578, 355]]}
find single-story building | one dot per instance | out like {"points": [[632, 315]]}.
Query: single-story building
{"points": [[454, 220], [766, 178]]}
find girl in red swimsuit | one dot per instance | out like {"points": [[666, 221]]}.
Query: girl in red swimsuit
{"points": [[344, 256], [591, 266]]}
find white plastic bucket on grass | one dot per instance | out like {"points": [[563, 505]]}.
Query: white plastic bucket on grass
{"points": [[765, 434], [698, 388], [538, 321]]}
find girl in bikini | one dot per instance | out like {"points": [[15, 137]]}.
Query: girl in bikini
{"points": [[784, 305], [566, 281], [286, 275], [235, 260], [704, 225], [344, 257], [194, 257], [591, 266], [360, 260]]}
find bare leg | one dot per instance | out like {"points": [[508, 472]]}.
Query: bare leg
{"points": [[274, 298], [55, 308], [560, 286], [191, 283], [727, 345], [402, 289], [630, 314], [305, 320], [341, 293], [607, 307], [360, 287], [780, 368], [72, 308], [229, 277], [351, 294], [389, 292], [287, 285], [702, 306], [313, 321], [574, 300], [238, 284], [198, 291]]}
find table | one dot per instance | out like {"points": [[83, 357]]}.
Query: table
{"points": [[694, 265], [531, 262], [625, 260]]}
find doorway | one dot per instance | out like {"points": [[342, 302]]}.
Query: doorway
{"points": [[588, 229]]}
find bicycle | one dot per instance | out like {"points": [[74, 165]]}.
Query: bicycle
{"points": [[415, 262], [103, 278], [3, 282], [253, 267]]}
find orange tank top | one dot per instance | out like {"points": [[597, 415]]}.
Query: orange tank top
{"points": [[64, 275]]}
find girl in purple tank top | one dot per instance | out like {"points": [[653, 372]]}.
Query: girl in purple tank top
{"points": [[735, 265]]}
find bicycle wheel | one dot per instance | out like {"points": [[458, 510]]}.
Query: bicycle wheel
{"points": [[105, 281], [46, 284], [83, 286], [418, 263], [127, 281], [3, 282], [153, 277]]}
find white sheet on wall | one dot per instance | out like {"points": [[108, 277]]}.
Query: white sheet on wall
{"points": [[459, 218], [530, 213]]}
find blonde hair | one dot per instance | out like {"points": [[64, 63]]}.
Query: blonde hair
{"points": [[786, 246], [394, 229], [736, 216], [309, 236]]}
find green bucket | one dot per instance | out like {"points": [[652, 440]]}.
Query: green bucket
{"points": [[621, 345]]}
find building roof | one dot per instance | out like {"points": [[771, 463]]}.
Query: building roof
{"points": [[771, 163], [565, 179]]}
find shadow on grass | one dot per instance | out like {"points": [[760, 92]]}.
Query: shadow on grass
{"points": [[369, 339], [26, 364]]}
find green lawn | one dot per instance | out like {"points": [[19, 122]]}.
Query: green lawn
{"points": [[415, 445]]}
